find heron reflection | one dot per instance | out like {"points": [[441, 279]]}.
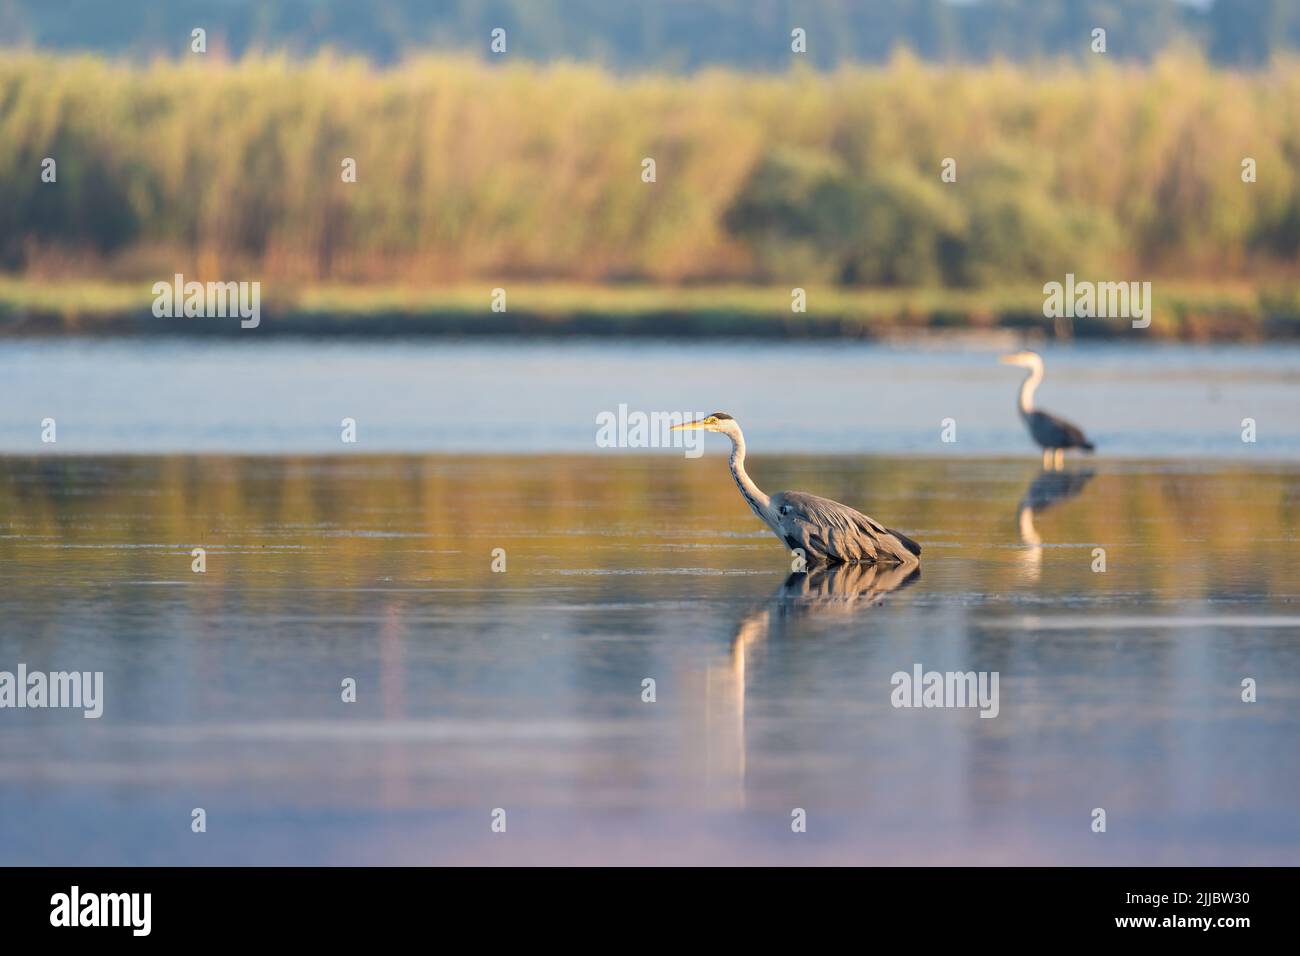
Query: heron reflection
{"points": [[1049, 488], [836, 591]]}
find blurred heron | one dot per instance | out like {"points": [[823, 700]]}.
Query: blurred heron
{"points": [[1054, 435], [826, 531]]}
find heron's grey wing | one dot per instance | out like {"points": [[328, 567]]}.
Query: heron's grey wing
{"points": [[1051, 431], [828, 529]]}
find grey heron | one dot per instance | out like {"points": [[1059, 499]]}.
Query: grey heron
{"points": [[824, 530], [1054, 435]]}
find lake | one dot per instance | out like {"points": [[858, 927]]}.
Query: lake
{"points": [[523, 689]]}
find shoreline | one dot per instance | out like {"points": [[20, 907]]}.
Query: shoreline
{"points": [[1182, 312]]}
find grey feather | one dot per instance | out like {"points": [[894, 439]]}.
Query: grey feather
{"points": [[1053, 432], [828, 531]]}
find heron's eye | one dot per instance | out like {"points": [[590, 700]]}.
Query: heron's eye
{"points": [[785, 509]]}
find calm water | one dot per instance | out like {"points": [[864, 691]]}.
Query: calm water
{"points": [[522, 690], [278, 396]]}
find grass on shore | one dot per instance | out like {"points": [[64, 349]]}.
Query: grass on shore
{"points": [[1182, 310]]}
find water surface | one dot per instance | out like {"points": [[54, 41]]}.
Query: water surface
{"points": [[522, 690], [282, 396]]}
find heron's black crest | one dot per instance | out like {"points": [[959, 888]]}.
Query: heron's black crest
{"points": [[722, 415]]}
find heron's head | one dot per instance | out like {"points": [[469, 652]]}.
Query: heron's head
{"points": [[717, 422], [1024, 358]]}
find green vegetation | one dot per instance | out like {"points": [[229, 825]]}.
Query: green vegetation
{"points": [[470, 175]]}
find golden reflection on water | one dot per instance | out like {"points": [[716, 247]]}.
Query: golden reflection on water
{"points": [[337, 522]]}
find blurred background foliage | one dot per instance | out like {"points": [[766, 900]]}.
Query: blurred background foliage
{"points": [[465, 168]]}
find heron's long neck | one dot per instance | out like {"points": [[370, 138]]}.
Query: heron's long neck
{"points": [[757, 500], [1031, 382]]}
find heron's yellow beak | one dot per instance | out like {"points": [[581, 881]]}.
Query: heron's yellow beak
{"points": [[1008, 360], [689, 426]]}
